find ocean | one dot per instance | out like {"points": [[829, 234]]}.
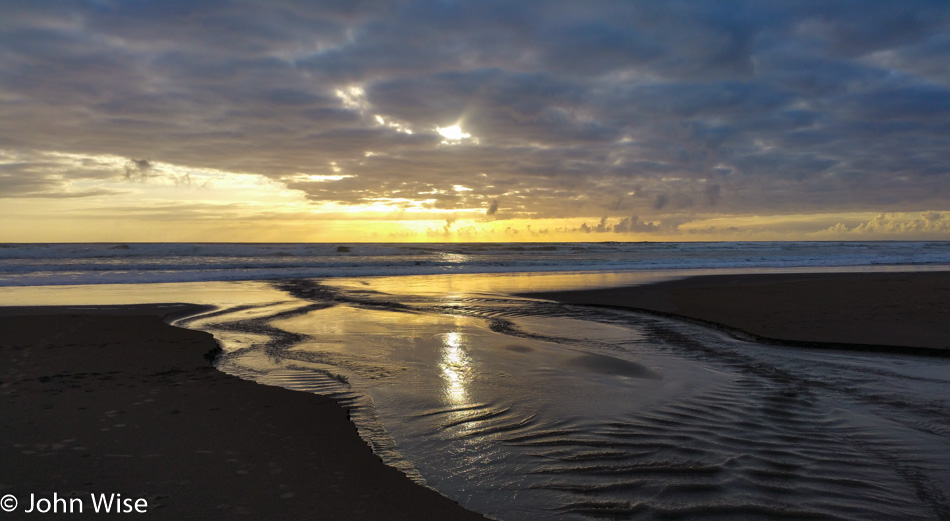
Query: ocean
{"points": [[528, 409], [46, 264]]}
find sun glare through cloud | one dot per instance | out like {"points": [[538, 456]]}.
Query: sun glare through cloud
{"points": [[452, 134]]}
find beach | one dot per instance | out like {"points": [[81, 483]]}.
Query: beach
{"points": [[113, 400], [909, 312], [118, 402]]}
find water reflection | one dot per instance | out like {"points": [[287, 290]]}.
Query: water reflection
{"points": [[456, 368], [564, 421], [453, 258], [468, 285]]}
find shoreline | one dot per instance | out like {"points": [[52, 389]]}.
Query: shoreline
{"points": [[898, 312], [113, 400]]}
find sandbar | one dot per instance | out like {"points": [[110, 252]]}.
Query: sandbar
{"points": [[877, 311]]}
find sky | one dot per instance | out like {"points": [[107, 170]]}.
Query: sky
{"points": [[487, 120]]}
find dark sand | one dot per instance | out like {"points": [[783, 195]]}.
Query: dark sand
{"points": [[901, 312], [116, 401]]}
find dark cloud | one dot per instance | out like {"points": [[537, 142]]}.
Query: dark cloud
{"points": [[573, 109], [711, 193], [138, 169], [631, 224], [634, 225]]}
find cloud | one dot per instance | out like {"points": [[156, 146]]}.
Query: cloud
{"points": [[55, 176], [890, 224], [631, 224], [619, 108], [138, 170], [712, 195], [449, 221]]}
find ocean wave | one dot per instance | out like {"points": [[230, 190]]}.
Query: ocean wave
{"points": [[51, 264]]}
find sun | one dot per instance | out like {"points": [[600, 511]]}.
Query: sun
{"points": [[453, 133]]}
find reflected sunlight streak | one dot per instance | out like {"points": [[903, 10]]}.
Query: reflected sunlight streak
{"points": [[453, 258], [456, 369]]}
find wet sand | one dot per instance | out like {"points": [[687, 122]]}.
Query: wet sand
{"points": [[116, 401], [902, 312]]}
